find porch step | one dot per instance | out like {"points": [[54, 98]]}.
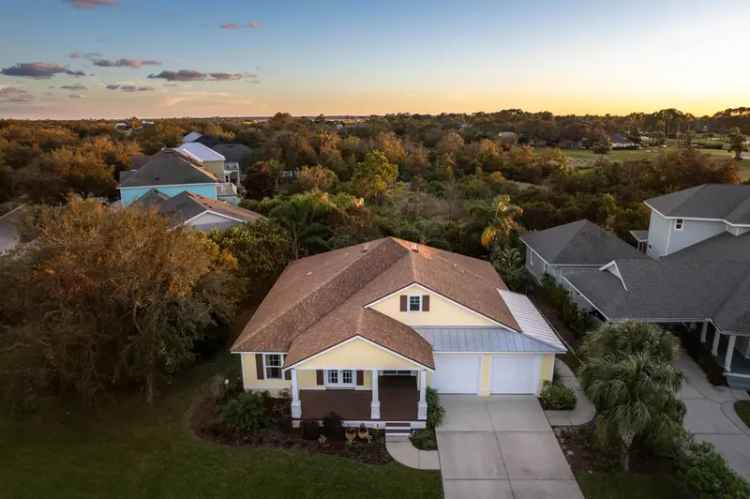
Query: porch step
{"points": [[397, 431]]}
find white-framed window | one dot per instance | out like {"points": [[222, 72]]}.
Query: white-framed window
{"points": [[415, 303], [272, 363], [340, 377], [398, 373], [679, 224]]}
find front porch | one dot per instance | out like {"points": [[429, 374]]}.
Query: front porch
{"points": [[724, 347], [399, 397], [377, 396]]}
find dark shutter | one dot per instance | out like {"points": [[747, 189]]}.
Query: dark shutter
{"points": [[404, 303], [425, 303], [360, 378], [259, 365], [287, 373], [319, 376]]}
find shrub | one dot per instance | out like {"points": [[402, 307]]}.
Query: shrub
{"points": [[576, 319], [435, 411], [557, 397], [310, 430], [424, 439], [707, 475], [332, 427], [246, 412]]}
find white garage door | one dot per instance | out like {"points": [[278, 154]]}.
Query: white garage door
{"points": [[456, 373], [515, 373]]}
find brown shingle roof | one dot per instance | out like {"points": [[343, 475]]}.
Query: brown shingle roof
{"points": [[320, 301]]}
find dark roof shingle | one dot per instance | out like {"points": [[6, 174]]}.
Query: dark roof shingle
{"points": [[169, 167]]}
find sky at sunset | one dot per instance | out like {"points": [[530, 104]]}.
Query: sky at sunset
{"points": [[158, 58]]}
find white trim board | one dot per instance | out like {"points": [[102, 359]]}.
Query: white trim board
{"points": [[699, 219], [349, 340]]}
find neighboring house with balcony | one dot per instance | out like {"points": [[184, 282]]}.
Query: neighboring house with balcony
{"points": [[198, 212], [362, 331], [698, 273]]}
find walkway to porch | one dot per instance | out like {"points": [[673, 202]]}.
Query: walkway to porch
{"points": [[398, 401]]}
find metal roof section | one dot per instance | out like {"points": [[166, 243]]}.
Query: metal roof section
{"points": [[479, 339], [199, 152], [530, 320], [191, 137]]}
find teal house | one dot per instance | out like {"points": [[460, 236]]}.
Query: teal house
{"points": [[170, 173]]}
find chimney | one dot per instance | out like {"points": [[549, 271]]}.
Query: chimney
{"points": [[415, 247]]}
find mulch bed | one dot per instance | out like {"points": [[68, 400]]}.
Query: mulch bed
{"points": [[583, 455], [206, 424]]}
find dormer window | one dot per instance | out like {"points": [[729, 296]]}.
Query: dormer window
{"points": [[679, 224], [415, 303]]}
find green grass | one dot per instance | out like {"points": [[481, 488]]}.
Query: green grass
{"points": [[585, 158], [619, 485], [742, 407], [131, 450]]}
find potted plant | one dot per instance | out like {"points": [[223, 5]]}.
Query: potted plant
{"points": [[363, 433], [350, 434]]}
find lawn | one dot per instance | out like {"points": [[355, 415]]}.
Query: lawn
{"points": [[132, 450], [583, 158], [598, 485], [742, 407]]}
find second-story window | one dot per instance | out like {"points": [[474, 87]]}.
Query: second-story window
{"points": [[415, 303], [678, 224]]}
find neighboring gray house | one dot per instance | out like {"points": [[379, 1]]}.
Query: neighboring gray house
{"points": [[698, 273], [196, 211]]}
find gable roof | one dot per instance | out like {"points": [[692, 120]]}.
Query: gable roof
{"points": [[199, 152], [716, 201], [187, 205], [579, 243], [710, 279], [191, 137], [169, 167], [530, 321], [321, 300]]}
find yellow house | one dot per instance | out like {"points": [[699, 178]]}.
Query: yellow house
{"points": [[363, 331]]}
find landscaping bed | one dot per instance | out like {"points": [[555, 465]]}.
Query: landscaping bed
{"points": [[742, 407], [209, 420]]}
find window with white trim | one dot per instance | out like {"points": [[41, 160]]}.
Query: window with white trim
{"points": [[273, 363], [679, 224], [340, 377], [415, 303]]}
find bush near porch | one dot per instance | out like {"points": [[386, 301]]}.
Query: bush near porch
{"points": [[742, 407], [557, 397], [426, 439], [701, 354]]}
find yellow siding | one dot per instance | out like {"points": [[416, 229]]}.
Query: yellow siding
{"points": [[357, 354], [250, 379], [215, 167], [547, 368], [442, 311], [484, 376]]}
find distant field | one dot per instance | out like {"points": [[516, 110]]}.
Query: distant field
{"points": [[585, 158]]}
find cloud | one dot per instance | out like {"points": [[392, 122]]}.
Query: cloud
{"points": [[39, 70], [192, 75], [75, 87], [75, 55], [226, 76], [91, 4], [125, 63], [130, 88], [75, 96], [230, 26], [254, 24], [14, 95]]}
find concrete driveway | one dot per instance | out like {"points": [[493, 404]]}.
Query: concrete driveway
{"points": [[711, 417], [501, 447]]}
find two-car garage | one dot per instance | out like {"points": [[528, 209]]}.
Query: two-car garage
{"points": [[513, 373]]}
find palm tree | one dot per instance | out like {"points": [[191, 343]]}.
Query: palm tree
{"points": [[628, 375], [302, 217], [502, 223]]}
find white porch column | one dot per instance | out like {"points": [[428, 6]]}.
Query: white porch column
{"points": [[375, 405], [704, 330], [715, 346], [296, 404], [422, 405], [730, 352]]}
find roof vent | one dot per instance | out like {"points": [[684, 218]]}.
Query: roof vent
{"points": [[365, 248], [415, 247]]}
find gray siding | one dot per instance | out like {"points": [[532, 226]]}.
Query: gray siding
{"points": [[534, 264], [658, 235], [693, 231]]}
